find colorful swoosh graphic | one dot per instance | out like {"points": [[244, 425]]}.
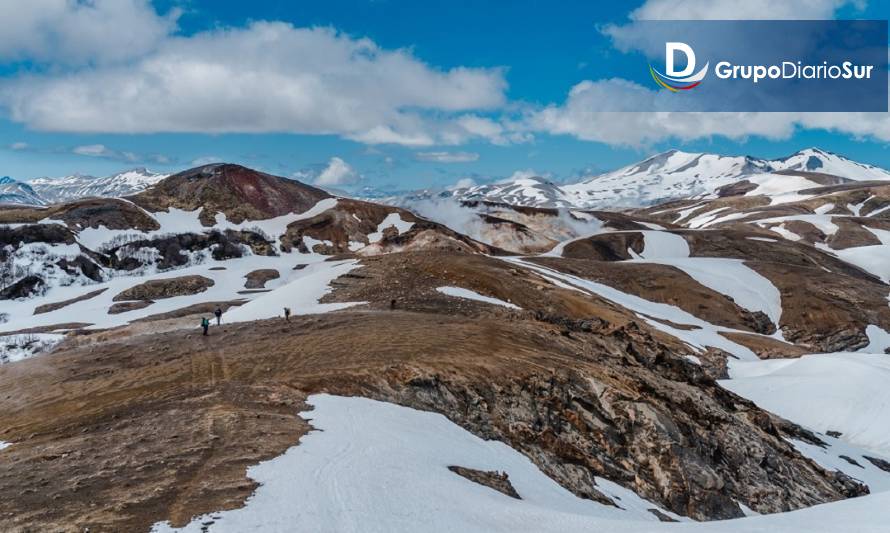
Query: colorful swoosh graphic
{"points": [[660, 80]]}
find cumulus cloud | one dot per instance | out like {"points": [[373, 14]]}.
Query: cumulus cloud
{"points": [[266, 77], [603, 111], [337, 173], [447, 157], [118, 66], [637, 35], [79, 32]]}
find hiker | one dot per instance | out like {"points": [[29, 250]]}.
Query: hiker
{"points": [[205, 324], [287, 313], [218, 314]]}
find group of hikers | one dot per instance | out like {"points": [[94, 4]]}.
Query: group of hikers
{"points": [[205, 322]]}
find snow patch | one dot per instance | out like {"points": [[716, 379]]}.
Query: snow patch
{"points": [[844, 392], [391, 220], [459, 292], [662, 245], [301, 295], [878, 340]]}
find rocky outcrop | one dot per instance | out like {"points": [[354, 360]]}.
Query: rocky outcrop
{"points": [[46, 308], [257, 279], [23, 288], [695, 452], [157, 289], [499, 481], [173, 250], [605, 247], [123, 307], [43, 233]]}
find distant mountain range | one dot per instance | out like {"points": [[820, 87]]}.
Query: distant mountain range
{"points": [[42, 191], [669, 175], [665, 176]]}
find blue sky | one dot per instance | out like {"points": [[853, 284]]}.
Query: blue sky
{"points": [[398, 94]]}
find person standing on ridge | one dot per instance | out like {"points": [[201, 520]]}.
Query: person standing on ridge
{"points": [[205, 324], [287, 313], [218, 314]]}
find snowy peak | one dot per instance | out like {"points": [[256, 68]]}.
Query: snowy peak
{"points": [[816, 160], [55, 190], [669, 175], [16, 192]]}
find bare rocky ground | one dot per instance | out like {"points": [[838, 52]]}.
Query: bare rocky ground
{"points": [[116, 430]]}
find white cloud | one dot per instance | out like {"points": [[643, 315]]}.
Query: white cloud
{"points": [[463, 183], [100, 150], [267, 77], [447, 157], [524, 174], [637, 35], [337, 173], [499, 132], [94, 150], [18, 146], [740, 10], [603, 111], [78, 32]]}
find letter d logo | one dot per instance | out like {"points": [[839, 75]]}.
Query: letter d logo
{"points": [[670, 49], [675, 80]]}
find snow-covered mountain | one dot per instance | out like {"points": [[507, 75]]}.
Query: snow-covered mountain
{"points": [[665, 176], [54, 190], [525, 190], [16, 192], [816, 160]]}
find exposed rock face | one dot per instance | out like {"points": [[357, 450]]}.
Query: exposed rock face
{"points": [[499, 481], [123, 307], [45, 233], [575, 426], [206, 308], [22, 288], [157, 289], [83, 265], [46, 308], [258, 278], [238, 192], [605, 247]]}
